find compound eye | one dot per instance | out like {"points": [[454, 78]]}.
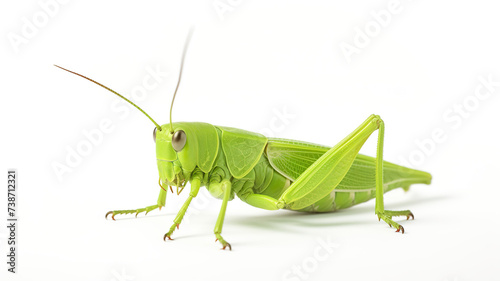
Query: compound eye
{"points": [[154, 134], [179, 140]]}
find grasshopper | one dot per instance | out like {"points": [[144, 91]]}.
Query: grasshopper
{"points": [[272, 173]]}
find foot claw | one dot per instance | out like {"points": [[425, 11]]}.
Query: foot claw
{"points": [[227, 245], [110, 212], [167, 236], [401, 228], [177, 225], [387, 217]]}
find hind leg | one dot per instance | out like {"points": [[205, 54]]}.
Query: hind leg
{"points": [[385, 215], [323, 176]]}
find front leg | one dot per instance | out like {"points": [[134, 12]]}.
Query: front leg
{"points": [[226, 189], [161, 203], [195, 187]]}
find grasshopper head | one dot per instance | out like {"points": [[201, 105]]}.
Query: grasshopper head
{"points": [[169, 144], [182, 148]]}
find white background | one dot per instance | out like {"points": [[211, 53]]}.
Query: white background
{"points": [[243, 66]]}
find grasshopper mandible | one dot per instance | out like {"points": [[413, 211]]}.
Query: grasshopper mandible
{"points": [[272, 173]]}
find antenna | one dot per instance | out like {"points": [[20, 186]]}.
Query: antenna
{"points": [[180, 74], [156, 124]]}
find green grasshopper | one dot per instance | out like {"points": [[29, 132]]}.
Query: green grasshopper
{"points": [[272, 173]]}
